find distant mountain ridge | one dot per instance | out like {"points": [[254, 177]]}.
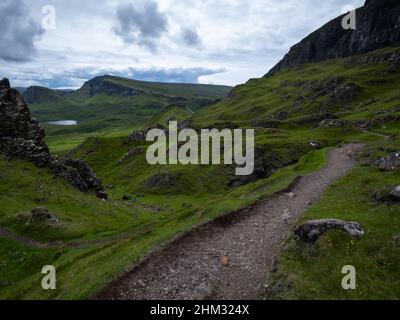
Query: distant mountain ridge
{"points": [[378, 26], [125, 88], [109, 103]]}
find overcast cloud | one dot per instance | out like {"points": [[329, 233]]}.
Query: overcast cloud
{"points": [[206, 41], [140, 24], [18, 32]]}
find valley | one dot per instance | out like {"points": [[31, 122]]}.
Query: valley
{"points": [[81, 196]]}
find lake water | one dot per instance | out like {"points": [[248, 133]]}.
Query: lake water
{"points": [[63, 123]]}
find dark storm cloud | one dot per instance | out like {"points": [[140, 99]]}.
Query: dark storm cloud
{"points": [[141, 25], [191, 38], [18, 32]]}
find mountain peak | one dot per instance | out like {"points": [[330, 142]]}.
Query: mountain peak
{"points": [[378, 26]]}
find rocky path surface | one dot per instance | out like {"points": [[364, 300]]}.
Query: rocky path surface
{"points": [[229, 258]]}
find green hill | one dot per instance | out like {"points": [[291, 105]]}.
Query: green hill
{"points": [[332, 102], [108, 104]]}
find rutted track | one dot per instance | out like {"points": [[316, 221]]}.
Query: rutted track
{"points": [[191, 266]]}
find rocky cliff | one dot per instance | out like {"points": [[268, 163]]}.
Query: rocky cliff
{"points": [[36, 94], [105, 85], [378, 26], [22, 137]]}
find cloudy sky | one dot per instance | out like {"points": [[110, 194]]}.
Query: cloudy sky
{"points": [[61, 44]]}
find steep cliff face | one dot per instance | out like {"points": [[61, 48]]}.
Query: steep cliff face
{"points": [[378, 26], [104, 85], [22, 137], [36, 94], [20, 134]]}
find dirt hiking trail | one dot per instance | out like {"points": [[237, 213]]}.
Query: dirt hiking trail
{"points": [[229, 258]]}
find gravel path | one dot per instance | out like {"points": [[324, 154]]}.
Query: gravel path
{"points": [[230, 257]]}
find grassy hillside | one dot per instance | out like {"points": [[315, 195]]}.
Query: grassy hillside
{"points": [[112, 104], [94, 240], [352, 89], [315, 272]]}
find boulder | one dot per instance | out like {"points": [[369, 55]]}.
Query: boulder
{"points": [[102, 195], [77, 173], [389, 163], [315, 144], [311, 231], [161, 180], [39, 215], [331, 123], [395, 194]]}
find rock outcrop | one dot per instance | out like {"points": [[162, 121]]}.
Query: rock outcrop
{"points": [[105, 85], [22, 137], [311, 231], [38, 95], [20, 134], [389, 163], [378, 26], [39, 215], [395, 193]]}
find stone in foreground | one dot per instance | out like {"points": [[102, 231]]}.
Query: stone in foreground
{"points": [[311, 231], [389, 163], [395, 193]]}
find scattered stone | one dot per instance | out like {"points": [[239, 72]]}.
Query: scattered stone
{"points": [[102, 195], [315, 145], [225, 260], [203, 291], [286, 215], [395, 193], [389, 163], [311, 231], [141, 283], [331, 123], [161, 180], [42, 215], [291, 195], [127, 197]]}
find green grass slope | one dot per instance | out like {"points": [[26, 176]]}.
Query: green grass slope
{"points": [[315, 273], [148, 205]]}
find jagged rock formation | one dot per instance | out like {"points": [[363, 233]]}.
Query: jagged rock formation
{"points": [[378, 26], [22, 137]]}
